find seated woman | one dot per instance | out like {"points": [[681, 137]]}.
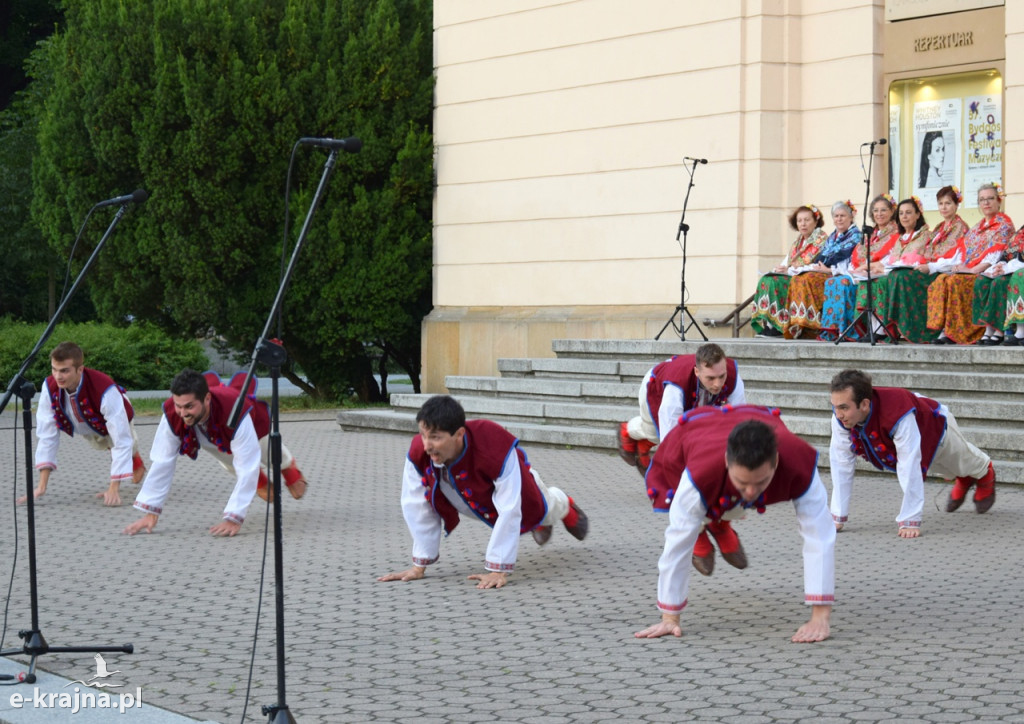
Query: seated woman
{"points": [[806, 291], [841, 291], [990, 292], [903, 256], [1015, 307], [951, 296], [906, 313], [771, 303]]}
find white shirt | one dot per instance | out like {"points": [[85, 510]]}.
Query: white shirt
{"points": [[244, 461], [425, 523], [118, 429], [686, 519], [907, 437]]}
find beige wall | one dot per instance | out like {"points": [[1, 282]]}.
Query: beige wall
{"points": [[561, 129]]}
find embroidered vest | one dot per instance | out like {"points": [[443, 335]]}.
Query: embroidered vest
{"points": [[90, 393], [679, 371], [222, 400], [698, 445], [872, 440], [487, 447]]}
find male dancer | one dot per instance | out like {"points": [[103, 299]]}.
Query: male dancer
{"points": [[898, 430], [195, 417], [718, 459], [77, 399], [669, 389], [475, 468]]}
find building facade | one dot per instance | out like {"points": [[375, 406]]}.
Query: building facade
{"points": [[563, 129]]}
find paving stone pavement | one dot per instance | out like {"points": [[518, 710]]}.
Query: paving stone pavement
{"points": [[925, 630]]}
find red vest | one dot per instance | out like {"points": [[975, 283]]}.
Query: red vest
{"points": [[487, 447], [873, 441], [90, 392], [679, 371], [222, 400], [698, 445]]}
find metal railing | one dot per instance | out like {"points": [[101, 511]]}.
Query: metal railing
{"points": [[733, 317]]}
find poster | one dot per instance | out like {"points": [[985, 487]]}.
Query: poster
{"points": [[895, 152], [983, 150], [937, 138]]}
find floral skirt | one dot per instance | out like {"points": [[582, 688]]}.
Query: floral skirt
{"points": [[806, 297], [838, 310], [907, 313], [1015, 298], [989, 306], [950, 300], [771, 305]]}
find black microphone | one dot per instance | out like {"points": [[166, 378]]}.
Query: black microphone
{"points": [[879, 142], [695, 160], [350, 144], [138, 196]]}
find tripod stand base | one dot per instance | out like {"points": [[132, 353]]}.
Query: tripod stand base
{"points": [[279, 715], [684, 314], [35, 646]]}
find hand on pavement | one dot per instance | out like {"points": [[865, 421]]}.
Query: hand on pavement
{"points": [[39, 492], [412, 574], [491, 579], [817, 629], [225, 529], [111, 496], [145, 523], [669, 624]]}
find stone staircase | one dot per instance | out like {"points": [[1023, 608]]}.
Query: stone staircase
{"points": [[576, 398]]}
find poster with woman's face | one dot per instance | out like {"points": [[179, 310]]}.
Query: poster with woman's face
{"points": [[936, 139]]}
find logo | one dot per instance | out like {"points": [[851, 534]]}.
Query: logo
{"points": [[101, 673], [77, 700]]}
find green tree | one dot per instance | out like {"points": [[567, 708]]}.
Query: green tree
{"points": [[199, 102], [29, 273]]}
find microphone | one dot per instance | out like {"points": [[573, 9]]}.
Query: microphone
{"points": [[350, 144], [879, 142], [138, 196], [695, 160]]}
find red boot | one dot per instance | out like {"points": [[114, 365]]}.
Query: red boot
{"points": [[958, 494], [985, 494], [627, 445], [728, 543], [643, 456], [703, 555]]}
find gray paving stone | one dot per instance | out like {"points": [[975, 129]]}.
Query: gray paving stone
{"points": [[924, 630]]}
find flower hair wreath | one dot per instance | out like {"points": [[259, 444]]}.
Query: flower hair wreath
{"points": [[853, 209], [957, 194], [814, 210]]}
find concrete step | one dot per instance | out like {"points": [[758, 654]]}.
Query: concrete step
{"points": [[599, 392], [576, 398], [952, 380], [799, 353]]}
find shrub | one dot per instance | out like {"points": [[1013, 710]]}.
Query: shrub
{"points": [[139, 357]]}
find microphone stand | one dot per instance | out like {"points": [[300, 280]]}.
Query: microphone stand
{"points": [[272, 354], [681, 309], [868, 315], [34, 644]]}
